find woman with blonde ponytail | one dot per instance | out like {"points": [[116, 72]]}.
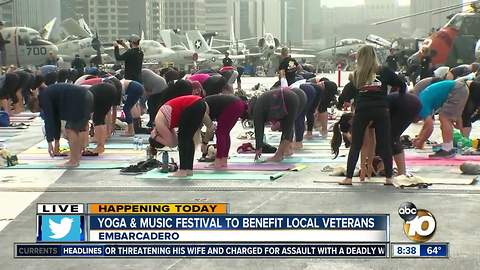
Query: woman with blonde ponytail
{"points": [[371, 108]]}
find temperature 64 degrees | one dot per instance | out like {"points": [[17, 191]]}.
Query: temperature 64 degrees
{"points": [[434, 250]]}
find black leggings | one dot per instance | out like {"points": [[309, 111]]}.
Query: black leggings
{"points": [[174, 90], [288, 122], [154, 102], [380, 117], [104, 95], [190, 121]]}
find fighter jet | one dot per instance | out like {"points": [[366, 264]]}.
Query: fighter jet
{"points": [[206, 54], [80, 41], [344, 48], [233, 46], [24, 46], [183, 56]]}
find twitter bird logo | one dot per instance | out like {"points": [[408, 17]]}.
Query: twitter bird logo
{"points": [[61, 228]]}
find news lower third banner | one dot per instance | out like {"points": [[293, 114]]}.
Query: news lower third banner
{"points": [[200, 230]]}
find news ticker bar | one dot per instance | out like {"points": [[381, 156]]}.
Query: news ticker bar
{"points": [[351, 250], [132, 208], [424, 250]]}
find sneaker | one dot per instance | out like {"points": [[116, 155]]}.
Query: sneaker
{"points": [[443, 154], [132, 170], [268, 149]]}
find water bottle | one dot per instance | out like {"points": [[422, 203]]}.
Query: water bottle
{"points": [[135, 143], [165, 162], [140, 143]]}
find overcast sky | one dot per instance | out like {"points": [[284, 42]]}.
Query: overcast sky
{"points": [[342, 3]]}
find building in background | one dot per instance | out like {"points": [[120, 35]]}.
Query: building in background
{"points": [[185, 14], [117, 19], [74, 9], [423, 24], [31, 13], [219, 14], [293, 22]]}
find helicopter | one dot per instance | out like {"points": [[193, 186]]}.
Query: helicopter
{"points": [[455, 42]]}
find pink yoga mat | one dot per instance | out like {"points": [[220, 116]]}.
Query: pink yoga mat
{"points": [[412, 157], [437, 162], [248, 167]]}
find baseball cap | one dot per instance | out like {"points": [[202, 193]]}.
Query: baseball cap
{"points": [[134, 38]]}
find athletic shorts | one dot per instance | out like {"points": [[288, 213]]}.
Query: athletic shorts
{"points": [[80, 125], [453, 107]]}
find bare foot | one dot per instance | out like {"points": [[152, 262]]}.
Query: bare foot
{"points": [[388, 182], [298, 145], [189, 173], [275, 158], [218, 164], [69, 164], [345, 182], [308, 136], [179, 173], [99, 150], [288, 152]]}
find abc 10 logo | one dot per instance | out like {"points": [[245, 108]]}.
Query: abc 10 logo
{"points": [[419, 224]]}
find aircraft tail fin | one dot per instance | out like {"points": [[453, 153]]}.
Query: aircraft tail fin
{"points": [[46, 31], [197, 42], [72, 27]]}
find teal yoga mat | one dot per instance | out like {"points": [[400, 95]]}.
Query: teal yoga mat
{"points": [[155, 174], [43, 145], [83, 166], [295, 160]]}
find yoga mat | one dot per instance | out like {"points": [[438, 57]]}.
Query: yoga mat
{"points": [[12, 128], [54, 166], [294, 160], [155, 174], [46, 157], [416, 157], [381, 180], [437, 162], [247, 167], [317, 140], [8, 135], [300, 155], [35, 151], [26, 114], [63, 143]]}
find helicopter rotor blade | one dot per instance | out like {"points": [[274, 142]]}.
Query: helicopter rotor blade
{"points": [[426, 12]]}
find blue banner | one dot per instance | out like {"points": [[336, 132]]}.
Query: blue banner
{"points": [[200, 250], [434, 250], [239, 222]]}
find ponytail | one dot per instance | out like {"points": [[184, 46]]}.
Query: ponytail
{"points": [[336, 140]]}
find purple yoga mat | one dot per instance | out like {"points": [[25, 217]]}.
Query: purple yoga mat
{"points": [[248, 167], [102, 157]]}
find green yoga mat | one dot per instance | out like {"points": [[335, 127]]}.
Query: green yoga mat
{"points": [[294, 160], [155, 174], [83, 166]]}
